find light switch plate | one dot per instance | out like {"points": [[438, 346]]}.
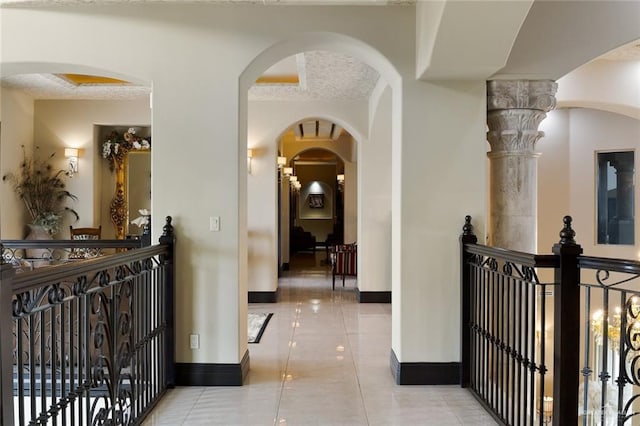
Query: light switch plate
{"points": [[214, 223], [194, 341]]}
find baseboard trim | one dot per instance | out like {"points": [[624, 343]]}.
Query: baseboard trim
{"points": [[373, 296], [425, 373], [192, 374], [263, 296]]}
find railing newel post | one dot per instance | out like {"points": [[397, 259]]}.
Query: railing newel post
{"points": [[566, 336], [467, 237], [6, 338], [168, 237]]}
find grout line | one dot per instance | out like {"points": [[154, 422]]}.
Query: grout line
{"points": [[286, 365], [353, 361]]}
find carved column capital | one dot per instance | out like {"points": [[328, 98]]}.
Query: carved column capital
{"points": [[521, 94], [515, 109]]}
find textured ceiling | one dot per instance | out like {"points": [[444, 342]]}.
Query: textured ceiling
{"points": [[50, 86], [323, 76]]}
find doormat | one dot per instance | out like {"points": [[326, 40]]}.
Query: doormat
{"points": [[256, 326]]}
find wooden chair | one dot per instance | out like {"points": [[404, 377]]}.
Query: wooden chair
{"points": [[85, 234], [344, 261]]}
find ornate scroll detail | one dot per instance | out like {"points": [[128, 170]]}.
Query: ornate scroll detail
{"points": [[118, 205], [112, 309]]}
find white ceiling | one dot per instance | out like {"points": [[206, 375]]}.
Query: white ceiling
{"points": [[322, 75], [254, 2]]}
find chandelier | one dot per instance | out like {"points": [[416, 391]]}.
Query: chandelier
{"points": [[614, 323]]}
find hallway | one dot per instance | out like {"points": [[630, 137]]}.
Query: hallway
{"points": [[323, 360]]}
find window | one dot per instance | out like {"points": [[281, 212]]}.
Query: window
{"points": [[615, 197]]}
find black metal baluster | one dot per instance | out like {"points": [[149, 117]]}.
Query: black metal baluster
{"points": [[508, 414], [483, 336], [586, 371], [620, 380], [86, 358], [487, 337], [525, 352], [54, 365], [73, 371], [532, 352], [147, 349], [43, 365], [162, 326], [32, 365], [19, 322], [63, 364], [493, 327], [518, 292], [135, 364], [500, 343], [542, 369], [473, 322], [604, 374]]}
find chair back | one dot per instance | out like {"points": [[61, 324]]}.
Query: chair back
{"points": [[345, 259], [85, 234]]}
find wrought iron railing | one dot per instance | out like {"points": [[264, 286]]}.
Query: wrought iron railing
{"points": [[88, 342], [611, 354], [566, 351]]}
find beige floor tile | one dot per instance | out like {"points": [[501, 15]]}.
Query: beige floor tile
{"points": [[323, 360]]}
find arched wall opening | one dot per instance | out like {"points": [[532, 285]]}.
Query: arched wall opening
{"points": [[35, 117], [315, 201], [356, 125]]}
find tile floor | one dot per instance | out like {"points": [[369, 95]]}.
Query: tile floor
{"points": [[323, 360]]}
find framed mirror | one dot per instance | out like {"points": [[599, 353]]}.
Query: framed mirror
{"points": [[125, 153]]}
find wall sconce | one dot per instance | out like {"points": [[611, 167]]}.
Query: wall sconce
{"points": [[281, 162], [249, 157], [293, 179], [287, 171], [340, 179], [72, 155]]}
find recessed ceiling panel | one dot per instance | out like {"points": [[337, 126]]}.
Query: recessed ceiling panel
{"points": [[92, 80]]}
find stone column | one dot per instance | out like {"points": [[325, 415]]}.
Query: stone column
{"points": [[515, 109]]}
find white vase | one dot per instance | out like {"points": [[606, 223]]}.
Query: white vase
{"points": [[37, 232]]}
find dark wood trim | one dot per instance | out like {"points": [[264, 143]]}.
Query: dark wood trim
{"points": [[373, 296], [424, 373], [264, 296], [192, 374]]}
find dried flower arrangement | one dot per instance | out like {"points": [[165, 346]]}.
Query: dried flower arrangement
{"points": [[43, 191]]}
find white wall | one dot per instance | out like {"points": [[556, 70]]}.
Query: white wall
{"points": [[16, 110], [374, 198], [553, 178], [567, 178], [443, 156], [607, 85], [591, 131]]}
